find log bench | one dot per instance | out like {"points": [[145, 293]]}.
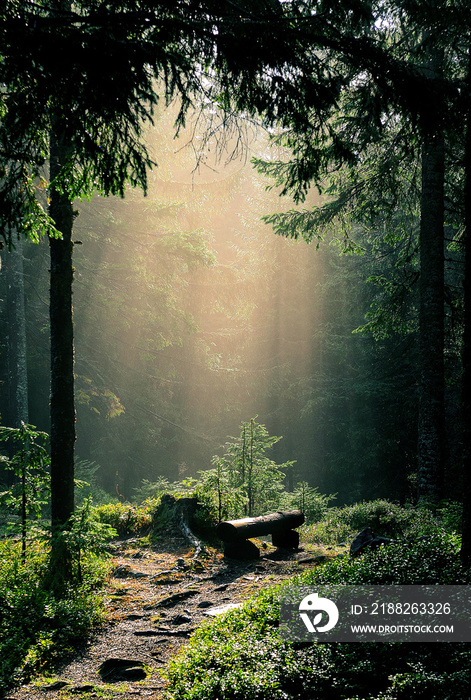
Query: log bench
{"points": [[236, 533]]}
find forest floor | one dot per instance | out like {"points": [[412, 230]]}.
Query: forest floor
{"points": [[156, 597]]}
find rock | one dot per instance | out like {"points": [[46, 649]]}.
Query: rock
{"points": [[122, 669], [146, 633], [175, 598], [86, 688], [134, 616], [366, 539], [221, 609], [181, 620], [125, 571], [166, 581], [133, 673], [122, 571], [205, 604], [307, 560], [57, 685], [176, 633], [222, 587]]}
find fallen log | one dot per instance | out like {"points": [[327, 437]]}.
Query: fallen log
{"points": [[243, 529]]}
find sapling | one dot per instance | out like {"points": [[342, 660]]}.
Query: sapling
{"points": [[29, 466]]}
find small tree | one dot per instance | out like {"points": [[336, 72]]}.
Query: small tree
{"points": [[246, 481], [308, 499], [29, 465]]}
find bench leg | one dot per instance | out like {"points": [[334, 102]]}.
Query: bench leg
{"points": [[287, 540], [241, 550]]}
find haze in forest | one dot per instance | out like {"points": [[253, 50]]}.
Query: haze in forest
{"points": [[191, 316]]}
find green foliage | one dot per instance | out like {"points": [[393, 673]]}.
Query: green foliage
{"points": [[432, 560], [86, 482], [125, 518], [241, 656], [35, 627], [29, 465], [86, 535], [306, 498], [153, 490], [384, 518], [245, 481]]}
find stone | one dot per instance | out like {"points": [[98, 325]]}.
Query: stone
{"points": [[366, 539], [165, 581], [175, 598], [306, 560], [122, 571], [57, 685], [146, 633], [176, 633], [122, 669], [205, 604], [181, 620], [221, 609]]}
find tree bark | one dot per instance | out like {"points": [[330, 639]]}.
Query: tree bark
{"points": [[62, 407], [466, 357], [17, 365], [236, 530], [432, 300]]}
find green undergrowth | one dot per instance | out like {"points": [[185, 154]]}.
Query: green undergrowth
{"points": [[127, 518], [384, 518], [242, 656], [35, 628]]}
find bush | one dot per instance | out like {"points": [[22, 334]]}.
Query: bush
{"points": [[126, 518], [384, 518], [35, 628], [241, 656]]}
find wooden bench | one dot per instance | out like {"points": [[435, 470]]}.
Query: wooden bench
{"points": [[236, 533]]}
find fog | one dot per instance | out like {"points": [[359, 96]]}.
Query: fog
{"points": [[192, 316]]}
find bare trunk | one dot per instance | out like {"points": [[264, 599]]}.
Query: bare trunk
{"points": [[466, 385], [431, 406], [62, 366], [17, 365]]}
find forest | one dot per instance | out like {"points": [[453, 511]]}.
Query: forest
{"points": [[234, 281]]}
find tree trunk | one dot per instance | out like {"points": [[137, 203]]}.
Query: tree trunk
{"points": [[62, 365], [432, 299], [466, 381], [17, 365]]}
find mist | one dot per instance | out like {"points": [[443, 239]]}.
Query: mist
{"points": [[192, 316]]}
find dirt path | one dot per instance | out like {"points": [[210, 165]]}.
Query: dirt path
{"points": [[155, 600]]}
